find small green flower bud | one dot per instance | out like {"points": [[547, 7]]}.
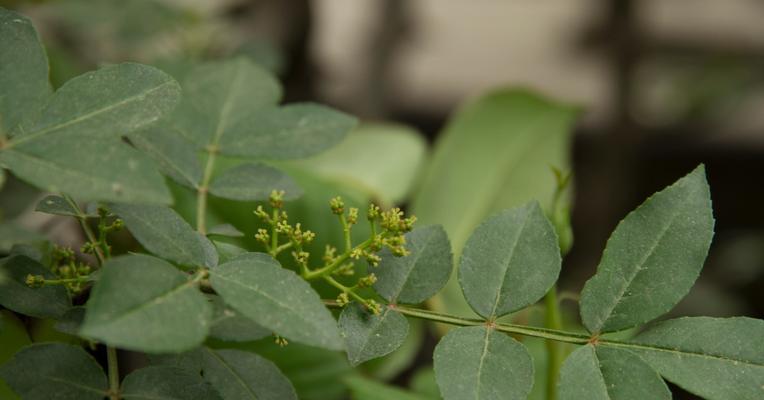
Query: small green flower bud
{"points": [[373, 212], [373, 259], [260, 213], [367, 281], [280, 340], [277, 198], [373, 306], [337, 205], [83, 270], [35, 281], [356, 254], [352, 216], [329, 254], [343, 299], [262, 236]]}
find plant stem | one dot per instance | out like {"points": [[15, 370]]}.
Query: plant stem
{"points": [[328, 269], [201, 191], [113, 367], [83, 220], [67, 280], [345, 289], [346, 232], [553, 320]]}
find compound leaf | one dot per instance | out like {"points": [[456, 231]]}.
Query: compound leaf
{"points": [[164, 233], [45, 371], [143, 303], [717, 358], [368, 336], [229, 325], [478, 362], [16, 295], [652, 259], [418, 276], [510, 261], [166, 383], [244, 375], [253, 182], [604, 373], [175, 155], [276, 299]]}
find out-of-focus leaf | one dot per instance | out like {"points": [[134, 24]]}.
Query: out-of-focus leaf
{"points": [[162, 382], [368, 336], [15, 294], [12, 234], [13, 336], [367, 389], [238, 374], [253, 182]]}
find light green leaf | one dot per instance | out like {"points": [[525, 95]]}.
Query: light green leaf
{"points": [[382, 160], [277, 299], [368, 389], [400, 360], [423, 383], [510, 261], [166, 383], [418, 276], [221, 96], [227, 230], [175, 155], [164, 233], [56, 205], [227, 251], [229, 325], [240, 375], [16, 295], [291, 131], [716, 358], [111, 101], [23, 72], [46, 371], [368, 336], [603, 373], [253, 182], [478, 362], [494, 154], [652, 259], [143, 303], [92, 169]]}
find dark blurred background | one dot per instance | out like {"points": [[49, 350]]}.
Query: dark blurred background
{"points": [[665, 85]]}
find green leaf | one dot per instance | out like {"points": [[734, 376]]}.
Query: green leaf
{"points": [[253, 182], [90, 169], [478, 362], [12, 234], [227, 251], [166, 383], [368, 389], [229, 325], [55, 371], [226, 230], [56, 205], [111, 101], [175, 155], [423, 382], [71, 322], [510, 261], [418, 276], [23, 72], [292, 131], [143, 303], [494, 154], [189, 360], [603, 373], [368, 336], [16, 295], [652, 259], [13, 336], [277, 299], [242, 375], [716, 358], [382, 160], [400, 360], [164, 233], [220, 97]]}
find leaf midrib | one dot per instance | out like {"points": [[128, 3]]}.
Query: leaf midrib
{"points": [[508, 262], [169, 239], [77, 385], [417, 255], [483, 355], [232, 371], [377, 323], [679, 353], [84, 117]]}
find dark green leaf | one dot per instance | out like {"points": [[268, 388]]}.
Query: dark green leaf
{"points": [[13, 336], [23, 72], [292, 131], [652, 258], [12, 234], [47, 371], [143, 303], [228, 325], [480, 363], [164, 233], [253, 182], [166, 383], [400, 360], [602, 373], [190, 360], [15, 294], [228, 251], [717, 358], [56, 205], [112, 101], [277, 299], [418, 276], [243, 375], [71, 322], [219, 96], [368, 336], [93, 169], [510, 261], [175, 155]]}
